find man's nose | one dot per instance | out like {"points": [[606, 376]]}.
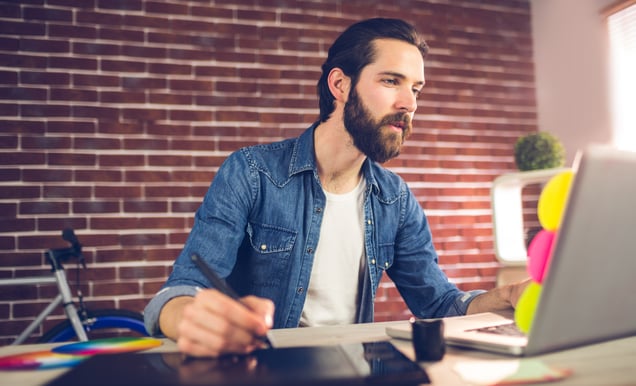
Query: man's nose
{"points": [[407, 101]]}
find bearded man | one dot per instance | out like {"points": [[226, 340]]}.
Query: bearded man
{"points": [[303, 229]]}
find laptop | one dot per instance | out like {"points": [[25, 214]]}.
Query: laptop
{"points": [[588, 293]]}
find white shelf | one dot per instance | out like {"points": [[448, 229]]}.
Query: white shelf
{"points": [[507, 213]]}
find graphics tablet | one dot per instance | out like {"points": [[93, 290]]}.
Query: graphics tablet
{"points": [[377, 363]]}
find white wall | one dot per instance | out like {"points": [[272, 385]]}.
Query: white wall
{"points": [[571, 59]]}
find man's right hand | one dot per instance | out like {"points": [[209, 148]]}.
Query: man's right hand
{"points": [[213, 324]]}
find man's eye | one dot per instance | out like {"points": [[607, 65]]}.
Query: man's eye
{"points": [[392, 82], [417, 92]]}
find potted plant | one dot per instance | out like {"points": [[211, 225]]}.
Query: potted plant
{"points": [[540, 150]]}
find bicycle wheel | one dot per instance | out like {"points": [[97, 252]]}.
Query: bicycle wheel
{"points": [[100, 324]]}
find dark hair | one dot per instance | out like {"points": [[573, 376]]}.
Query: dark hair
{"points": [[354, 49]]}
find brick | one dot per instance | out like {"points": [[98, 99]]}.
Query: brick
{"points": [[71, 31], [83, 48], [29, 208], [50, 14], [137, 305], [122, 66], [47, 142], [95, 80], [108, 113], [165, 8], [22, 28], [19, 191], [90, 17], [73, 63], [142, 239], [184, 207], [71, 159], [144, 114], [84, 207], [129, 160], [190, 115], [97, 143], [98, 175], [166, 160], [170, 69], [121, 34], [121, 97], [15, 224], [142, 272], [55, 224], [44, 45], [114, 289], [45, 175], [144, 52], [22, 158], [145, 21], [191, 85], [148, 177], [145, 206], [171, 98], [76, 95], [106, 191], [114, 127]]}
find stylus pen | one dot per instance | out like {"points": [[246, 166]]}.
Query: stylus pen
{"points": [[220, 285]]}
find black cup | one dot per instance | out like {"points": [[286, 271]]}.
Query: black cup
{"points": [[428, 339]]}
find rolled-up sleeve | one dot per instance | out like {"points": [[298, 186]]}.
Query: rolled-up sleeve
{"points": [[153, 309], [460, 306]]}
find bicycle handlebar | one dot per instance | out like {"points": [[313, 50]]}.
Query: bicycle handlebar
{"points": [[57, 256]]}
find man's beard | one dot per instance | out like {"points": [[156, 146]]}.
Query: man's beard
{"points": [[378, 142]]}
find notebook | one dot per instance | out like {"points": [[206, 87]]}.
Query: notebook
{"points": [[588, 293], [377, 363]]}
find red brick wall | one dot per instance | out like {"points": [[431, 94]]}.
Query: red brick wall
{"points": [[115, 115]]}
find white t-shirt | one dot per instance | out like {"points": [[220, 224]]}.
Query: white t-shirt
{"points": [[333, 293]]}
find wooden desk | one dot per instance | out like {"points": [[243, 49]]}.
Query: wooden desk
{"points": [[609, 363]]}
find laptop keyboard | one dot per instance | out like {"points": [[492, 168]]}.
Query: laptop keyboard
{"points": [[509, 329]]}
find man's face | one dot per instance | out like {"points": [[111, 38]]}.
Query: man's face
{"points": [[379, 139], [381, 105]]}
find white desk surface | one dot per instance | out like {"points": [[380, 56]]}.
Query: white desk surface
{"points": [[609, 363]]}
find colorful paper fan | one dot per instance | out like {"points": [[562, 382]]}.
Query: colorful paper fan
{"points": [[39, 360], [108, 346]]}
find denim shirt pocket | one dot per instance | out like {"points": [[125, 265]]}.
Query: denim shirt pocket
{"points": [[384, 259], [268, 258], [270, 239]]}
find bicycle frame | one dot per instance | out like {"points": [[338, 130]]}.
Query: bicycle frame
{"points": [[64, 296]]}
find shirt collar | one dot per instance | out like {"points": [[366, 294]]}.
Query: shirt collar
{"points": [[304, 159]]}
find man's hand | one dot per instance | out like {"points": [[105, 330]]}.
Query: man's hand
{"points": [[497, 299], [212, 324]]}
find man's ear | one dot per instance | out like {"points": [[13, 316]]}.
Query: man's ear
{"points": [[339, 84]]}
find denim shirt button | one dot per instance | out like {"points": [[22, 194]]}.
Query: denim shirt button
{"points": [[372, 261], [310, 250], [263, 247], [319, 210], [369, 222], [386, 264], [300, 290]]}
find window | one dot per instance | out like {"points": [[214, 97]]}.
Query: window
{"points": [[621, 21]]}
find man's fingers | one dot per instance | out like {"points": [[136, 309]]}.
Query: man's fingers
{"points": [[214, 324], [262, 307], [245, 315]]}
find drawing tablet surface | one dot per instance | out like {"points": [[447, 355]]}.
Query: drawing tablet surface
{"points": [[377, 363]]}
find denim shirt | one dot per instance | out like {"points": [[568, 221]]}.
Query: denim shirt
{"points": [[258, 228]]}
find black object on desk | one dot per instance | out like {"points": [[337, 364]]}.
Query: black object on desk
{"points": [[376, 363], [428, 339]]}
